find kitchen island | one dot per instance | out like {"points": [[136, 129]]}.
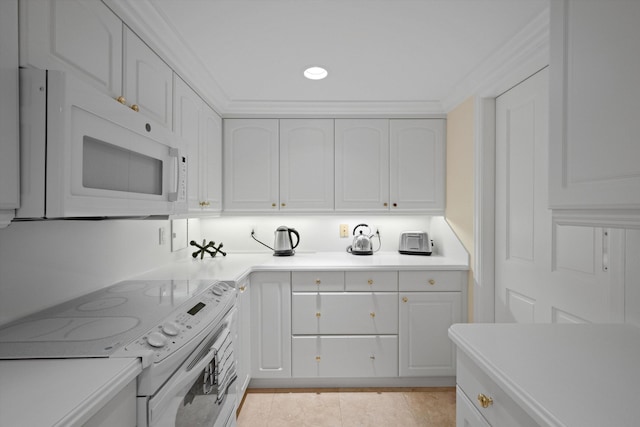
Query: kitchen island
{"points": [[547, 374]]}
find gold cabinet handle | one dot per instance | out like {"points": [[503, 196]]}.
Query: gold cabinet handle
{"points": [[204, 204], [370, 281], [242, 288], [121, 99], [405, 299], [273, 205], [318, 314], [284, 204], [317, 358], [318, 281], [135, 108], [372, 357], [372, 314], [485, 401], [385, 204], [432, 282]]}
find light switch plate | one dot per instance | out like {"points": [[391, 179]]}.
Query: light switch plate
{"points": [[179, 237]]}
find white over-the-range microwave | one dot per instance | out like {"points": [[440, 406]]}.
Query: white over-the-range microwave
{"points": [[84, 155]]}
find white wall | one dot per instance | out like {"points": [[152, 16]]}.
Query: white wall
{"points": [[317, 233], [43, 263]]}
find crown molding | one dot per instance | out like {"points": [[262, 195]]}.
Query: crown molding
{"points": [[525, 54]]}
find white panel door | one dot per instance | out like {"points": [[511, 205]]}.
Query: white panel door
{"points": [[362, 164], [243, 339], [211, 160], [425, 348], [594, 123], [81, 36], [251, 171], [306, 165], [271, 325], [544, 272], [416, 165], [147, 80]]}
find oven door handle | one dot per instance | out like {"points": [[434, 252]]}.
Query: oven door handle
{"points": [[181, 379]]}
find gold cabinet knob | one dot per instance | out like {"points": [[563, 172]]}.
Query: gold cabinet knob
{"points": [[204, 204], [135, 108], [284, 204], [372, 357], [432, 282], [242, 288], [121, 99], [273, 205], [318, 281], [317, 358], [372, 314], [385, 204], [485, 401], [405, 299], [318, 314], [370, 281]]}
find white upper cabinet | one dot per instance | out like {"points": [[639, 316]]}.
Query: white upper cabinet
{"points": [[594, 110], [251, 165], [362, 164], [306, 165], [201, 130], [82, 36], [147, 80], [416, 165]]}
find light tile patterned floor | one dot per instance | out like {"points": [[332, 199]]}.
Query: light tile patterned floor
{"points": [[424, 408]]}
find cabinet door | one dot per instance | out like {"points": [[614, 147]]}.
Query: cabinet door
{"points": [[251, 164], [362, 164], [271, 325], [211, 160], [416, 165], [187, 106], [466, 414], [147, 80], [243, 340], [594, 108], [425, 348], [81, 36], [306, 165]]}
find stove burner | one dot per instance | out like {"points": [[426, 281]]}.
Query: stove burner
{"points": [[102, 304]]}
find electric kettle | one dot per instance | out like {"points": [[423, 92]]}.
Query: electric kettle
{"points": [[361, 242], [283, 244]]}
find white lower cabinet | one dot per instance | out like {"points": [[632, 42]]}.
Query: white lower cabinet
{"points": [[345, 356], [243, 338], [483, 400], [271, 325]]}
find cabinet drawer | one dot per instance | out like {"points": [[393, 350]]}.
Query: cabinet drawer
{"points": [[314, 281], [430, 280], [502, 411], [345, 356], [345, 313], [367, 281]]}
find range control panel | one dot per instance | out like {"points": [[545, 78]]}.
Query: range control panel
{"points": [[182, 325]]}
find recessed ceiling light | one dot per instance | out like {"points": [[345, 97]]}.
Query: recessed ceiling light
{"points": [[315, 73]]}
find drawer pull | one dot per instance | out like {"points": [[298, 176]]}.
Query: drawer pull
{"points": [[135, 108], [370, 281], [122, 100], [485, 401], [317, 358], [318, 281], [372, 357], [432, 282], [405, 299], [372, 314], [317, 314], [242, 288]]}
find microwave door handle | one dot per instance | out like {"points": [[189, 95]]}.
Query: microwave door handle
{"points": [[174, 152]]}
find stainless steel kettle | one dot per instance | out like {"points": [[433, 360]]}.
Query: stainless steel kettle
{"points": [[283, 244], [361, 242]]}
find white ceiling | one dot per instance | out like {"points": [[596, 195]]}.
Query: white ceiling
{"points": [[249, 55]]}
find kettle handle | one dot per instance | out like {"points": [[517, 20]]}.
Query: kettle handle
{"points": [[292, 230], [359, 225]]}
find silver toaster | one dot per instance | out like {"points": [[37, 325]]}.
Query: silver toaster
{"points": [[415, 243]]}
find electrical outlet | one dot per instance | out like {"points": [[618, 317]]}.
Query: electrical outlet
{"points": [[344, 230]]}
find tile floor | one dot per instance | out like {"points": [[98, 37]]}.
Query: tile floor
{"points": [[424, 407]]}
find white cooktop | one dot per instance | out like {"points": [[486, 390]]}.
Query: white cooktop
{"points": [[97, 324]]}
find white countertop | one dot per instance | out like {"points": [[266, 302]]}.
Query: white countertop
{"points": [[561, 374], [60, 392], [235, 266]]}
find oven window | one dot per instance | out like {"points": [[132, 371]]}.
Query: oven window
{"points": [[109, 167]]}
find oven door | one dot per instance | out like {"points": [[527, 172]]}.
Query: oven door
{"points": [[202, 391]]}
